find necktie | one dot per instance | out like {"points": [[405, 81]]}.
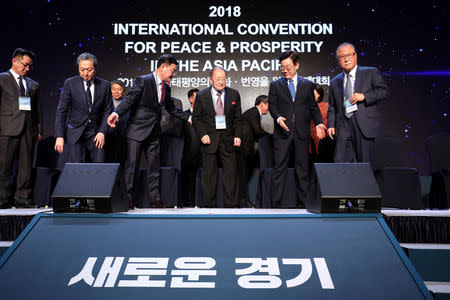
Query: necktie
{"points": [[21, 87], [163, 93], [219, 105], [347, 94], [89, 96], [292, 88]]}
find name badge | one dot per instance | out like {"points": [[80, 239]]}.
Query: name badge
{"points": [[349, 108], [220, 122], [24, 103]]}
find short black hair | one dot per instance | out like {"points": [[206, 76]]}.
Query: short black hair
{"points": [[261, 98], [119, 82], [319, 89], [20, 52], [87, 56], [295, 56], [191, 92], [166, 59]]}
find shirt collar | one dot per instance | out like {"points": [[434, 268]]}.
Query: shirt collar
{"points": [[353, 72], [157, 79], [16, 76], [294, 79]]}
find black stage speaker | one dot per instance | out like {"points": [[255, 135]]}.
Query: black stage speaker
{"points": [[91, 187], [345, 188]]}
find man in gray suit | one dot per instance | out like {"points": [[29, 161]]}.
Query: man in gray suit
{"points": [[20, 128], [354, 116]]}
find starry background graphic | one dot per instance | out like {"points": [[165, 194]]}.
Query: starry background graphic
{"points": [[407, 41]]}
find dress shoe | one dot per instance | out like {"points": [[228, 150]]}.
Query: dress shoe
{"points": [[5, 204], [246, 203], [25, 203]]}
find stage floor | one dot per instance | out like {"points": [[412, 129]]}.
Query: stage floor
{"points": [[232, 211]]}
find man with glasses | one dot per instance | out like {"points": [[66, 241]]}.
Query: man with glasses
{"points": [[20, 128], [354, 115], [148, 101], [84, 106], [292, 106]]}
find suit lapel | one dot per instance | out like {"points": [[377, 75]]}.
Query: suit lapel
{"points": [[153, 86], [357, 75], [210, 103], [340, 84], [285, 88], [299, 87], [96, 91], [228, 102], [82, 92], [14, 84]]}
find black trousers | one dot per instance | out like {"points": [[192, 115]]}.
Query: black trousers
{"points": [[244, 170], [209, 178], [22, 147], [189, 168], [84, 150], [351, 145], [283, 148], [134, 149]]}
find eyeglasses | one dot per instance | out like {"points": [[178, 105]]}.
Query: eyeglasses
{"points": [[346, 56], [29, 66], [286, 68]]}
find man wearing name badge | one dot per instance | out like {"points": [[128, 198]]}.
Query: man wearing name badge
{"points": [[354, 116], [20, 128], [292, 106], [147, 101], [84, 106], [217, 121]]}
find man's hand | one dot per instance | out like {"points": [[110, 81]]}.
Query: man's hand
{"points": [[112, 119], [237, 142], [99, 140], [190, 120], [59, 145], [356, 97], [282, 124], [331, 132], [320, 131], [205, 139]]}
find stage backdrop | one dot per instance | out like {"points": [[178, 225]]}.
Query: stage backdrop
{"points": [[406, 42]]}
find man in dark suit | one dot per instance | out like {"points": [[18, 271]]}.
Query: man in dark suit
{"points": [[147, 101], [191, 156], [84, 106], [251, 132], [114, 139], [217, 121], [354, 116], [20, 128], [292, 106]]}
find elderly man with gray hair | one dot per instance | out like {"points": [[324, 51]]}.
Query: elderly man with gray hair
{"points": [[83, 109]]}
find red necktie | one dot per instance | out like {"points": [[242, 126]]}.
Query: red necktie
{"points": [[163, 93]]}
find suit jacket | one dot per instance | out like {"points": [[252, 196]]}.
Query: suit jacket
{"points": [[171, 125], [74, 108], [12, 119], [191, 149], [304, 108], [204, 120], [145, 111], [251, 130], [368, 81]]}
